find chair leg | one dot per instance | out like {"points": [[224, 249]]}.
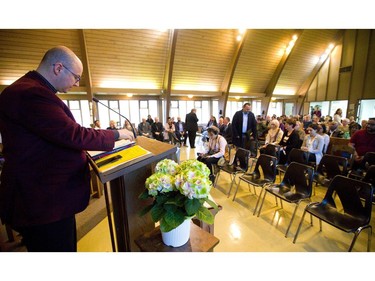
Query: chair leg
{"points": [[369, 238], [231, 185], [235, 193], [216, 178], [261, 205], [291, 220], [356, 234], [299, 227], [260, 195], [320, 225]]}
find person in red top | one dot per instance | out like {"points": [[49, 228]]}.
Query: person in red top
{"points": [[363, 141], [45, 179]]}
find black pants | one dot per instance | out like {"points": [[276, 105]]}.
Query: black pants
{"points": [[208, 161], [179, 136], [60, 236], [192, 135]]}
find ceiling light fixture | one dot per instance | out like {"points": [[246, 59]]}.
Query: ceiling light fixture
{"points": [[290, 46]]}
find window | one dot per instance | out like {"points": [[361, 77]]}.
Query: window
{"points": [[81, 111], [343, 104], [275, 108], [366, 110]]}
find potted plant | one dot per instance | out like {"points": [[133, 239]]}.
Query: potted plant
{"points": [[179, 192]]}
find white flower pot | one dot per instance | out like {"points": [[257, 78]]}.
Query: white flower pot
{"points": [[178, 236]]}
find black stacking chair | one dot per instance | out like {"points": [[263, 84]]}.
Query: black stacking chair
{"points": [[370, 178], [329, 167], [295, 187], [354, 217], [295, 155], [240, 165], [273, 150], [264, 172], [344, 151], [368, 160]]}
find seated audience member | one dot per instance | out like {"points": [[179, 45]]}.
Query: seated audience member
{"points": [[169, 132], [216, 149], [364, 124], [313, 143], [149, 120], [96, 124], [112, 125], [306, 121], [363, 141], [262, 128], [144, 128], [274, 135], [127, 125], [334, 131], [180, 131], [323, 132], [299, 129], [157, 130], [353, 125], [221, 125], [289, 140], [344, 128], [227, 132]]}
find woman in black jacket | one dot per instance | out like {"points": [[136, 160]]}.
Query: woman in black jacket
{"points": [[289, 140]]}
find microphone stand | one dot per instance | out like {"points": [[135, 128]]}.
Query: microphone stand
{"points": [[98, 101]]}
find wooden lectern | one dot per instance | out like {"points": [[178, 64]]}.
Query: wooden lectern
{"points": [[126, 185]]}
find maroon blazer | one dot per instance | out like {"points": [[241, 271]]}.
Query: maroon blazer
{"points": [[45, 176]]}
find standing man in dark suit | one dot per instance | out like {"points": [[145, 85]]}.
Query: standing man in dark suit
{"points": [[227, 131], [191, 122], [45, 179], [244, 127], [180, 131]]}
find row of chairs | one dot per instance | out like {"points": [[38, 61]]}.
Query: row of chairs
{"points": [[297, 185]]}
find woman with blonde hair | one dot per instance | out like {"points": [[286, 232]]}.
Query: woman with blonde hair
{"points": [[274, 135]]}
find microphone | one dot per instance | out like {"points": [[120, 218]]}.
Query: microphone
{"points": [[98, 101]]}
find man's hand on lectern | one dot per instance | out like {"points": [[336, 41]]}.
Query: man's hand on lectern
{"points": [[126, 134]]}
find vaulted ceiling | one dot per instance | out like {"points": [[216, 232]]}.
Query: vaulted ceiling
{"points": [[201, 62]]}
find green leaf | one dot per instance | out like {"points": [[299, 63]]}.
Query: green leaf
{"points": [[157, 212], [212, 204], [171, 220], [205, 215], [145, 210], [192, 206], [144, 195]]}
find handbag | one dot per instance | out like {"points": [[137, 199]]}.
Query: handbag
{"points": [[221, 161]]}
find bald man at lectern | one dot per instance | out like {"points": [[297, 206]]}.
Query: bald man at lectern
{"points": [[45, 179]]}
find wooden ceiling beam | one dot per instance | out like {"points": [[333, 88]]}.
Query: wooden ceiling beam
{"points": [[167, 85], [227, 81], [301, 93]]}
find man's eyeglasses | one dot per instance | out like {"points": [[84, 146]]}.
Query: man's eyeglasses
{"points": [[76, 76]]}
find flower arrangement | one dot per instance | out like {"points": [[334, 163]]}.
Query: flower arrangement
{"points": [[179, 192]]}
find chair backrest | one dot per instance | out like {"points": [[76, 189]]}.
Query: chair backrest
{"points": [[370, 175], [350, 191], [241, 159], [344, 151], [268, 165], [332, 165], [299, 176], [298, 155], [272, 150], [369, 159]]}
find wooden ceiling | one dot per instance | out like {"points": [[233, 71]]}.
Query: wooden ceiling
{"points": [[198, 62]]}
